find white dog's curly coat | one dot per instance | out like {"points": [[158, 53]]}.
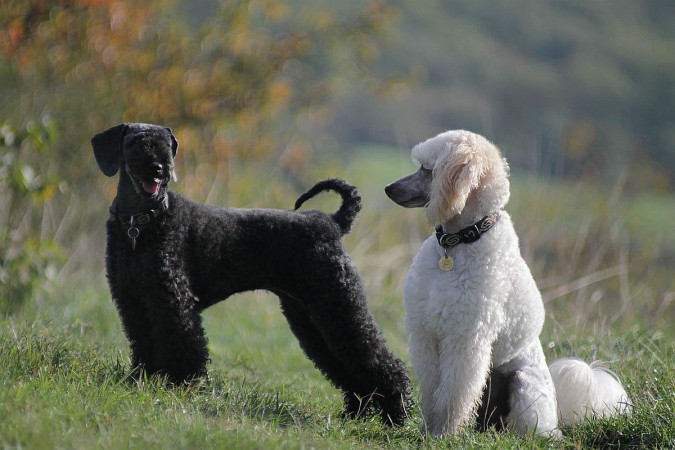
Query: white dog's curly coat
{"points": [[485, 313]]}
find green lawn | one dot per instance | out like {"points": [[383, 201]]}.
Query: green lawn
{"points": [[64, 361], [62, 387]]}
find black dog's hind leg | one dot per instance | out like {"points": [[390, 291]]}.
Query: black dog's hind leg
{"points": [[337, 332], [355, 340], [312, 343]]}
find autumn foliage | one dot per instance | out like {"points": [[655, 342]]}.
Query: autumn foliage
{"points": [[220, 87], [231, 88]]}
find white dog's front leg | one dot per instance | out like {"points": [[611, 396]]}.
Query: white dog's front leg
{"points": [[464, 367], [424, 355]]}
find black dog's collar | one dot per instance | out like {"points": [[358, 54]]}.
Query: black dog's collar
{"points": [[142, 218], [466, 235]]}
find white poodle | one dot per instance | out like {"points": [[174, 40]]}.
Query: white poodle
{"points": [[472, 305]]}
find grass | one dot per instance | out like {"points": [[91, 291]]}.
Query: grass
{"points": [[64, 362], [60, 391]]}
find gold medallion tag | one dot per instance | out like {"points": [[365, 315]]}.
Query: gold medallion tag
{"points": [[446, 263]]}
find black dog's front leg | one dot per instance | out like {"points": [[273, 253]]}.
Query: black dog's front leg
{"points": [[178, 340], [166, 337], [137, 330]]}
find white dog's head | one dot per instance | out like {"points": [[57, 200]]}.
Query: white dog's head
{"points": [[461, 173]]}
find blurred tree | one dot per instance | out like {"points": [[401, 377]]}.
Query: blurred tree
{"points": [[225, 89], [234, 89], [26, 258]]}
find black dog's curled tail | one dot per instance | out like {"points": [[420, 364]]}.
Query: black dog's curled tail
{"points": [[351, 201]]}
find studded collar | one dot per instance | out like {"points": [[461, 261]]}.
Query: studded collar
{"points": [[466, 235]]}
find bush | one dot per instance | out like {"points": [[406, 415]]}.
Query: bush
{"points": [[28, 260]]}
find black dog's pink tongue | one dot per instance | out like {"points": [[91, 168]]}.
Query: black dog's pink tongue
{"points": [[152, 187]]}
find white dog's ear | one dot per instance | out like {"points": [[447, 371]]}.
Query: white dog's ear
{"points": [[454, 178]]}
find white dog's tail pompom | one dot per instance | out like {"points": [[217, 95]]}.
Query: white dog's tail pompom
{"points": [[586, 390]]}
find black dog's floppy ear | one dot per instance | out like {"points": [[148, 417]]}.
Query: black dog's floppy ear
{"points": [[107, 148], [174, 142]]}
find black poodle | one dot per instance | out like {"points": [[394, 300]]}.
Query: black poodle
{"points": [[169, 258]]}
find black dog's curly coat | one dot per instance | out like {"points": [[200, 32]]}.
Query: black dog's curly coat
{"points": [[169, 258]]}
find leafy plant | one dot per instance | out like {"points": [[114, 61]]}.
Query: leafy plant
{"points": [[27, 259]]}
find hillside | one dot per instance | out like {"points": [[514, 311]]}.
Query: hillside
{"points": [[583, 89]]}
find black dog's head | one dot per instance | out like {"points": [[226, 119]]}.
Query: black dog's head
{"points": [[145, 153]]}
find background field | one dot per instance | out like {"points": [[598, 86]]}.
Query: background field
{"points": [[65, 358]]}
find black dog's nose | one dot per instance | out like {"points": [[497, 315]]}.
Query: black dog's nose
{"points": [[156, 167]]}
